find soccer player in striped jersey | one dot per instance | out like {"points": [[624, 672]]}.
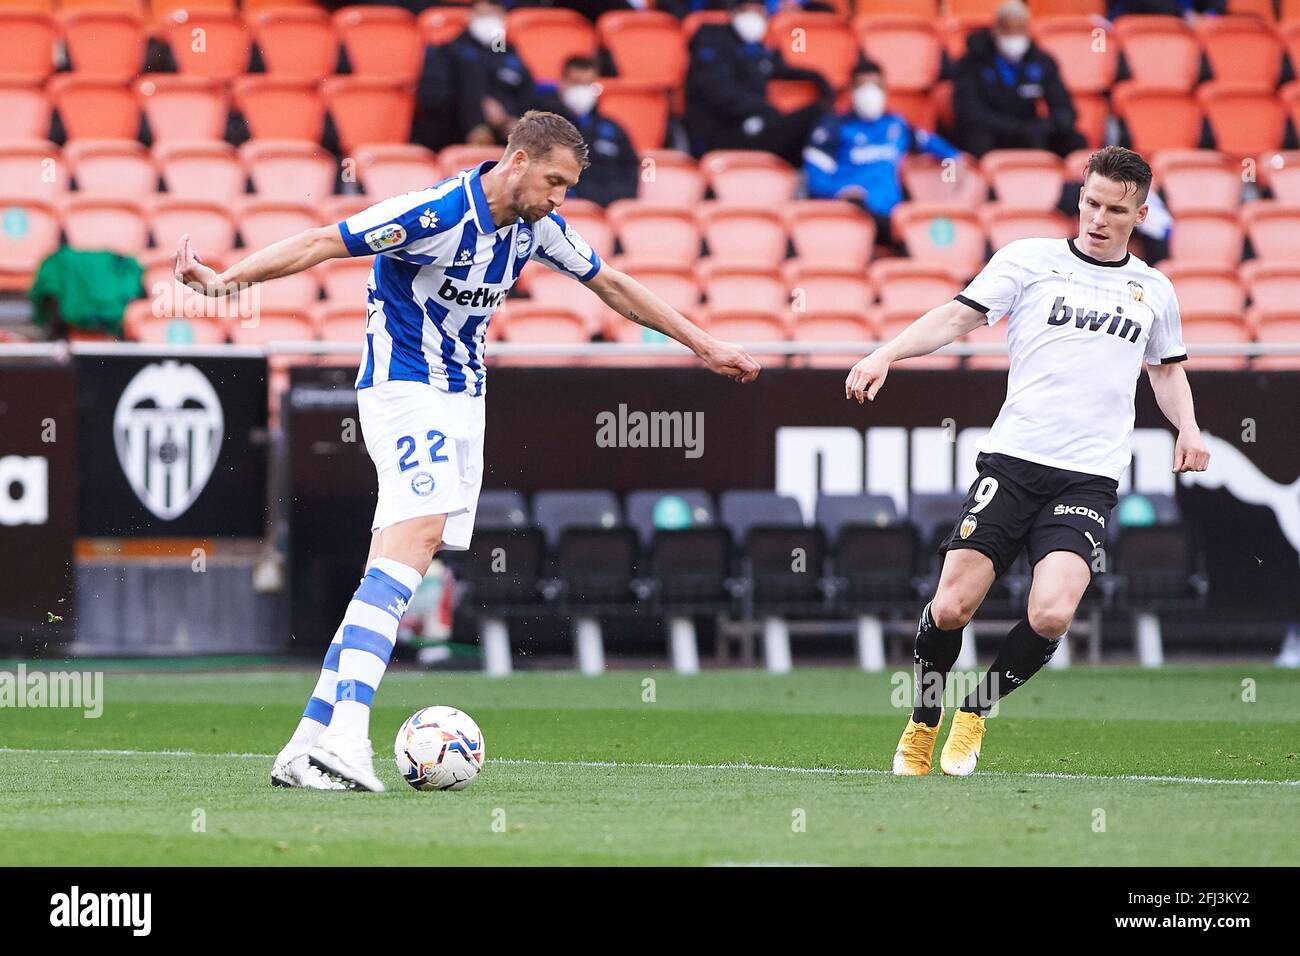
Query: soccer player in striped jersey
{"points": [[1083, 317], [445, 257]]}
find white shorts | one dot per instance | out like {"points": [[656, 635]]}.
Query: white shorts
{"points": [[427, 446]]}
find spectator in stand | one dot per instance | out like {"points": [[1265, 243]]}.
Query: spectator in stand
{"points": [[856, 155], [475, 88], [1189, 9], [1008, 94], [726, 83], [614, 164]]}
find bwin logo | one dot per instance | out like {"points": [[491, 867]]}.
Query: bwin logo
{"points": [[1061, 314], [477, 298]]}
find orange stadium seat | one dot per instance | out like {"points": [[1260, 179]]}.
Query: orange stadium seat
{"points": [[1273, 229], [1159, 50], [827, 44], [367, 111], [92, 108], [335, 209], [1207, 236], [455, 158], [1290, 11], [816, 288], [345, 280], [670, 177], [210, 43], [1090, 116], [34, 169], [1245, 121], [919, 107], [1205, 287], [1289, 34], [138, 7], [748, 176], [655, 233], [264, 221], [831, 232], [955, 31], [1076, 164], [1157, 117], [1197, 180], [908, 49], [746, 325], [210, 225], [381, 42], [913, 285], [288, 169], [832, 326], [546, 36], [1263, 9], [1273, 285], [139, 324], [743, 235], [1278, 327], [296, 293], [1085, 51], [200, 170], [1218, 329], [550, 288], [940, 233], [26, 111], [1024, 178], [441, 25], [645, 45], [162, 9], [915, 8], [890, 323], [790, 96], [105, 42], [388, 170], [296, 42], [1241, 49], [525, 323], [1005, 225], [111, 168], [184, 107], [280, 109], [926, 179], [1067, 8], [119, 225], [676, 285], [341, 321], [640, 108], [27, 40], [988, 335], [272, 325], [741, 287], [31, 234]]}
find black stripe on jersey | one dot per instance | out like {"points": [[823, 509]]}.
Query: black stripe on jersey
{"points": [[1097, 262], [971, 303], [1174, 358]]}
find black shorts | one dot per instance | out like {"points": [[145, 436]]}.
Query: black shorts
{"points": [[1016, 504]]}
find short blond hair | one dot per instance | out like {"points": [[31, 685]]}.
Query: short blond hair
{"points": [[538, 132]]}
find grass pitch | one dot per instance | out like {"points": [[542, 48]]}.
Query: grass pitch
{"points": [[1093, 766]]}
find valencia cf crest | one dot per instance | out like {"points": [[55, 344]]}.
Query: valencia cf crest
{"points": [[1139, 293], [967, 527], [167, 429]]}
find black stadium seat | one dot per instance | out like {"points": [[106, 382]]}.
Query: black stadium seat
{"points": [[836, 511], [556, 511], [641, 509]]}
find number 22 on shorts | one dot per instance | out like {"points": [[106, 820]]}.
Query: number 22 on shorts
{"points": [[406, 445]]}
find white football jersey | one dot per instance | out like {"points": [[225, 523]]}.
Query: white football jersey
{"points": [[1079, 332]]}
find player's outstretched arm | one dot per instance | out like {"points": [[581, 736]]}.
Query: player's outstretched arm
{"points": [[283, 258], [634, 301], [935, 329], [1174, 396]]}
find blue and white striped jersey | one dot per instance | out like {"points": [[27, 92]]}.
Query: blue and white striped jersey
{"points": [[442, 268]]}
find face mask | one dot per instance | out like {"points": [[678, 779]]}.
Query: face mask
{"points": [[1014, 47], [486, 30], [751, 26], [580, 100], [868, 101]]}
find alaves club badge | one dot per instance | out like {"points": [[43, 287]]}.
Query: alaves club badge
{"points": [[167, 429], [967, 526]]}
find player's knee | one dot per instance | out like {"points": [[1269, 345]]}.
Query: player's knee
{"points": [[950, 612], [1050, 619]]}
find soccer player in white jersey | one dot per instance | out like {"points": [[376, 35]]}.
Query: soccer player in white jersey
{"points": [[445, 257], [1083, 316]]}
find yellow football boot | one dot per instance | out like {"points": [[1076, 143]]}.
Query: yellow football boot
{"points": [[915, 752], [962, 749]]}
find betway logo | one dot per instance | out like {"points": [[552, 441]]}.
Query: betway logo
{"points": [[477, 298], [1079, 510], [1061, 314]]}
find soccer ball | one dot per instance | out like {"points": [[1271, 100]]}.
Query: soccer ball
{"points": [[439, 748]]}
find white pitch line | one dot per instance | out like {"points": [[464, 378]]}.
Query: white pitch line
{"points": [[758, 767]]}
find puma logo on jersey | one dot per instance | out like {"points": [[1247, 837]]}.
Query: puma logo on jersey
{"points": [[1061, 314], [1080, 510], [476, 298]]}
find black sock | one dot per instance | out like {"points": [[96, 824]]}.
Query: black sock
{"points": [[1023, 653], [933, 655]]}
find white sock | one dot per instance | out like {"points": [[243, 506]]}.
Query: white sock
{"points": [[320, 707], [369, 633]]}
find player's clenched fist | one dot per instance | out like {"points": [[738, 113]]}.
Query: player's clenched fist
{"points": [[1190, 453], [731, 361], [866, 377]]}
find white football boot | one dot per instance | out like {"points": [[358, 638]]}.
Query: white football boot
{"points": [[349, 757], [298, 772]]}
